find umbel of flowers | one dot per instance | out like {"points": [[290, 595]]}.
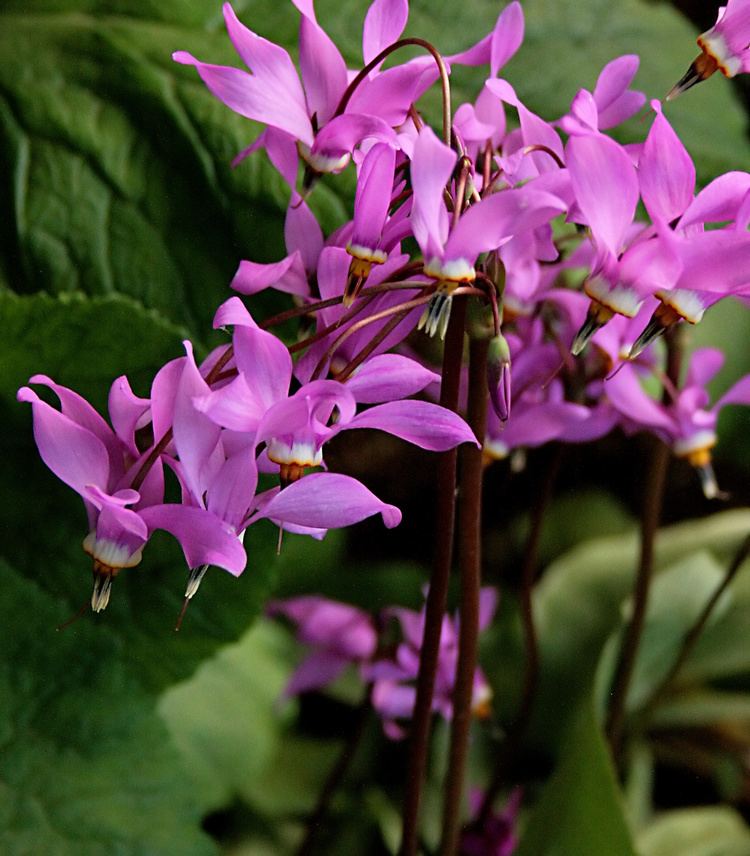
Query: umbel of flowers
{"points": [[530, 243]]}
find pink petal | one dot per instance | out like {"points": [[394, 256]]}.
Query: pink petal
{"points": [[343, 133], [737, 394], [718, 201], [265, 362], [303, 235], [614, 101], [388, 377], [666, 171], [323, 70], [252, 97], [422, 423], [316, 671], [204, 538], [328, 501], [125, 411], [389, 94], [506, 36], [373, 196], [231, 491], [605, 185], [288, 276], [705, 364], [431, 168], [75, 455], [233, 312], [163, 394], [384, 22], [625, 392]]}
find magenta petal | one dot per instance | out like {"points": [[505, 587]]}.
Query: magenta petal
{"points": [[252, 97], [338, 626], [195, 434], [422, 423], [316, 671], [393, 700], [388, 377], [265, 362], [75, 455], [328, 501], [373, 195], [666, 171], [288, 275], [384, 22], [281, 149], [234, 406], [323, 70], [233, 312], [485, 225], [705, 364], [431, 168], [488, 600], [118, 517], [204, 538], [737, 394], [302, 234], [506, 37], [163, 394], [625, 392], [605, 185], [614, 101], [389, 94], [718, 201], [231, 491], [125, 411], [343, 133]]}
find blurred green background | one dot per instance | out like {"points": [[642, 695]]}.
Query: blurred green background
{"points": [[122, 225]]}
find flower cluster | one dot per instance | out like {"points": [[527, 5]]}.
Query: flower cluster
{"points": [[534, 221], [341, 635]]}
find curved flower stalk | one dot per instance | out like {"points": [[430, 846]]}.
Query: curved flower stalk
{"points": [[725, 47], [687, 423]]}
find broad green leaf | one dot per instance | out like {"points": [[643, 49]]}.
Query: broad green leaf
{"points": [[87, 768], [677, 598], [580, 809], [578, 602], [226, 719], [710, 831]]}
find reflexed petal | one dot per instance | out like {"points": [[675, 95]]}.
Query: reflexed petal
{"points": [[234, 406], [323, 70], [705, 364], [288, 276], [614, 101], [265, 362], [389, 94], [486, 224], [316, 671], [163, 394], [422, 423], [125, 410], [718, 201], [338, 626], [393, 700], [343, 133], [252, 98], [431, 168], [384, 22], [625, 392], [204, 538], [373, 195], [302, 233], [737, 394], [328, 501], [118, 517], [506, 36], [605, 185], [388, 377], [75, 455], [666, 171], [233, 312], [231, 492]]}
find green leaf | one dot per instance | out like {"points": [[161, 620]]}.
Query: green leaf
{"points": [[578, 602], [702, 707], [86, 765], [711, 831], [580, 809]]}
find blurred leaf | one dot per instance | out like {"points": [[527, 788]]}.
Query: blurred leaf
{"points": [[87, 768], [226, 720], [581, 809], [714, 831], [699, 708], [677, 598], [578, 602]]}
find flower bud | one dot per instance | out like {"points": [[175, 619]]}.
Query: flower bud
{"points": [[498, 376]]}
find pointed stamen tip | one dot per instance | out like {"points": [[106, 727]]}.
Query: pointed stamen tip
{"points": [[701, 69], [100, 594]]}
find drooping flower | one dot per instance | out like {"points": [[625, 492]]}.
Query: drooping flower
{"points": [[495, 834], [725, 47]]}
